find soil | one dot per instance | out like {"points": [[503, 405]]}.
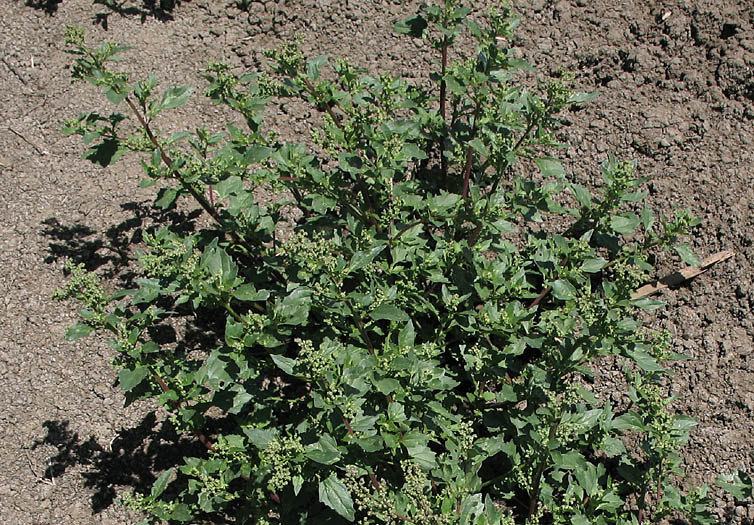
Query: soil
{"points": [[676, 83]]}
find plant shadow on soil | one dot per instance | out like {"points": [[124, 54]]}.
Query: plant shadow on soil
{"points": [[84, 245], [161, 10], [130, 460]]}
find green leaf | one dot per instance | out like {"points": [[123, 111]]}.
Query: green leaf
{"points": [[645, 361], [551, 167], [578, 98], [158, 487], [166, 198], [568, 460], [406, 335], [298, 482], [388, 385], [260, 438], [228, 186], [629, 421], [582, 195], [648, 304], [294, 308], [412, 151], [624, 224], [181, 512], [324, 451], [739, 484], [285, 364], [612, 447], [587, 478], [363, 258], [175, 97], [256, 154], [563, 290], [334, 494], [77, 331], [687, 255], [313, 65], [130, 379], [239, 402], [593, 265], [217, 369], [390, 312], [247, 292]]}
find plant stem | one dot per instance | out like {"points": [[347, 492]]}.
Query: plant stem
{"points": [[538, 476], [443, 108], [469, 153], [188, 187]]}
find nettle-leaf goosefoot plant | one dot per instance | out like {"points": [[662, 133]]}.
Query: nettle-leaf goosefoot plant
{"points": [[408, 333]]}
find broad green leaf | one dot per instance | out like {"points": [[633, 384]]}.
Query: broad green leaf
{"points": [[158, 487], [580, 519], [181, 512], [389, 312], [324, 451], [645, 361], [294, 308], [406, 335], [239, 402], [77, 331], [423, 456], [628, 421], [255, 154], [687, 255], [175, 97], [412, 151], [739, 484], [334, 494], [388, 385], [228, 186], [363, 258], [563, 290], [571, 460], [587, 478], [648, 304], [593, 265], [582, 195], [578, 98], [298, 482], [247, 292], [550, 167], [217, 368], [313, 65], [624, 224], [130, 379], [285, 364], [260, 438], [612, 447], [166, 198]]}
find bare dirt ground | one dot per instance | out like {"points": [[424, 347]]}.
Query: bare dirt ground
{"points": [[676, 79]]}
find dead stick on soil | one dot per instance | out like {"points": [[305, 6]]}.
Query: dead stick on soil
{"points": [[30, 143], [684, 274], [40, 479], [13, 70]]}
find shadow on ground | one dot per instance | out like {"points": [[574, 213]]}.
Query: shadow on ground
{"points": [[113, 249], [161, 10], [133, 459]]}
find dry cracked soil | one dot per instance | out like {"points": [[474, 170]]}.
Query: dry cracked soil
{"points": [[676, 84]]}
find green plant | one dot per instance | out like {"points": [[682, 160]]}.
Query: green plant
{"points": [[409, 332]]}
